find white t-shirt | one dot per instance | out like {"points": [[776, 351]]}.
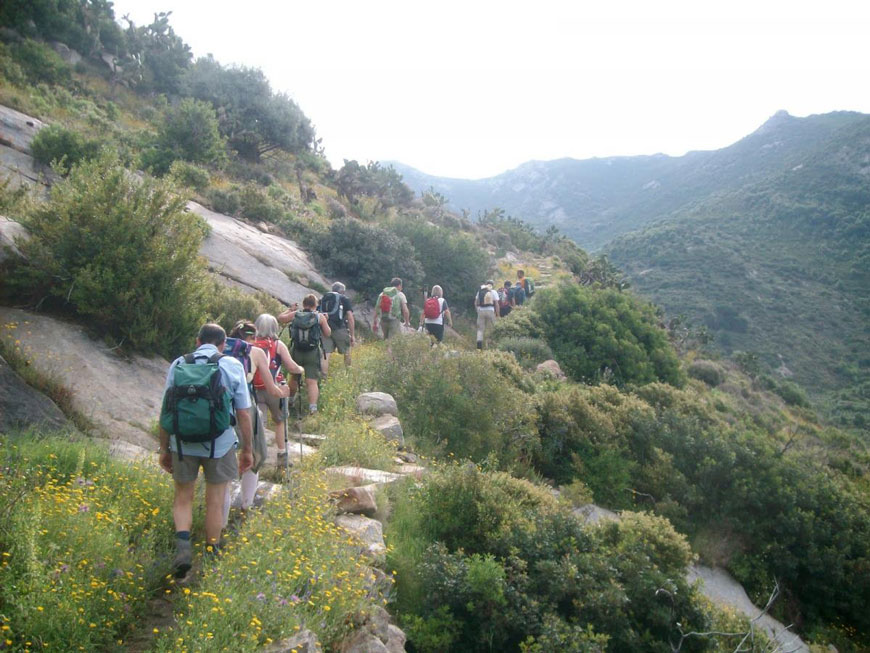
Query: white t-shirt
{"points": [[442, 304]]}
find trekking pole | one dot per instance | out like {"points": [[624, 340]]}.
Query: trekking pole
{"points": [[285, 410]]}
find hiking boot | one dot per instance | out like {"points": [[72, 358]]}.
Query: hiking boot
{"points": [[183, 558], [282, 457]]}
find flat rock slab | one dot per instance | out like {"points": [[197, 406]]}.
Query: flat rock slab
{"points": [[255, 260], [18, 129], [370, 532], [120, 395], [409, 469], [721, 588], [362, 475], [22, 406]]}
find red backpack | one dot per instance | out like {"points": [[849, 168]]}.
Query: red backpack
{"points": [[271, 348], [432, 308]]}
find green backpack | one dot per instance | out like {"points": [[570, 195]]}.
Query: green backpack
{"points": [[196, 407], [389, 304], [305, 331]]}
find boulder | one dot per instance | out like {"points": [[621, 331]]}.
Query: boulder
{"points": [[66, 53], [22, 406], [363, 641], [592, 514], [304, 641], [370, 532], [356, 500], [120, 395], [246, 257], [551, 368], [18, 129], [376, 635], [377, 403], [10, 231], [390, 427]]}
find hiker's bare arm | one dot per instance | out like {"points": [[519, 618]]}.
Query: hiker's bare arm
{"points": [[449, 317], [261, 364], [351, 326], [288, 315], [165, 458], [286, 360], [246, 456], [324, 325], [406, 314]]}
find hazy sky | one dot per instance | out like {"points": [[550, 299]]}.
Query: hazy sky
{"points": [[473, 88]]}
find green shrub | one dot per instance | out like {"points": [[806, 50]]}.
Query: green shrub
{"points": [[368, 256], [121, 254], [40, 63], [226, 201], [518, 324], [189, 132], [600, 335], [529, 352], [189, 175], [65, 146], [792, 394], [706, 371], [226, 305], [500, 562]]}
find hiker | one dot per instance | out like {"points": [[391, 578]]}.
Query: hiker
{"points": [[518, 294], [240, 344], [434, 311], [527, 284], [203, 435], [278, 356], [391, 310], [339, 314], [486, 302], [307, 329], [505, 299]]}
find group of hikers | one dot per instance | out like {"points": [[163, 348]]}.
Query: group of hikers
{"points": [[216, 397]]}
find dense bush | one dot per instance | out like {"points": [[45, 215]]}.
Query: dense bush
{"points": [[224, 200], [605, 335], [40, 63], [706, 371], [792, 394], [188, 132], [67, 147], [452, 260], [529, 352], [120, 253], [367, 256], [189, 175], [84, 26], [496, 560], [226, 305]]}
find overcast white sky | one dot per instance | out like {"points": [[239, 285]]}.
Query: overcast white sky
{"points": [[474, 88]]}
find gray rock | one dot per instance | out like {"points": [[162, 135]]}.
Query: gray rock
{"points": [[592, 514], [21, 170], [246, 257], [390, 427], [22, 406], [120, 395], [359, 475], [396, 639], [10, 231], [18, 129], [551, 368], [377, 403], [363, 641], [369, 531], [356, 500], [66, 53], [304, 641]]}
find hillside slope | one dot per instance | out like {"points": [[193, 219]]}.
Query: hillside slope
{"points": [[597, 200], [780, 267]]}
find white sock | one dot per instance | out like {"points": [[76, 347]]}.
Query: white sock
{"points": [[250, 481]]}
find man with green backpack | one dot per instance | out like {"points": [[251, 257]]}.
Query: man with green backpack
{"points": [[307, 329], [391, 310], [206, 395]]}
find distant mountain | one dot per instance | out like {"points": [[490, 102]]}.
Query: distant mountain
{"points": [[597, 200]]}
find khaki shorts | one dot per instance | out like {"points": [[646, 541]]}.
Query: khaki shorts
{"points": [[215, 470], [391, 327], [339, 340], [274, 404], [308, 361]]}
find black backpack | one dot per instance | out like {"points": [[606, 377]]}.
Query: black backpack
{"points": [[481, 296], [332, 305], [305, 331]]}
